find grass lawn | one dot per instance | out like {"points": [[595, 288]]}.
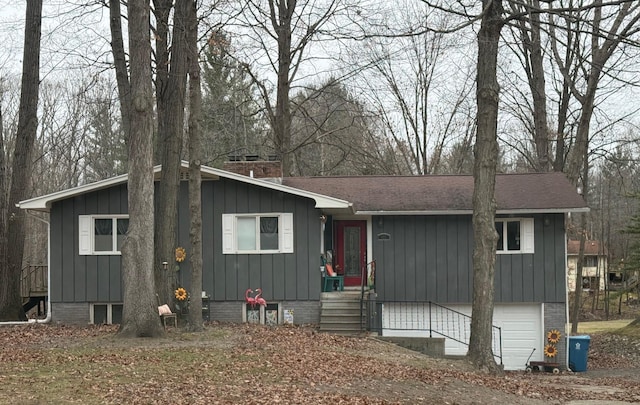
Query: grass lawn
{"points": [[602, 326]]}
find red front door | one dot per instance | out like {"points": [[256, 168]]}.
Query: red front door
{"points": [[351, 250]]}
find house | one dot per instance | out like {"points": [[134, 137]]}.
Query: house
{"points": [[271, 233], [594, 267]]}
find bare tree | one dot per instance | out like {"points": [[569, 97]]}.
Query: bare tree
{"points": [[529, 30], [330, 129], [120, 64], [195, 176], [13, 232], [292, 26], [3, 195], [609, 28], [170, 95], [140, 309], [484, 174], [419, 85]]}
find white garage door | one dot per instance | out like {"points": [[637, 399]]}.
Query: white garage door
{"points": [[522, 331], [521, 324]]}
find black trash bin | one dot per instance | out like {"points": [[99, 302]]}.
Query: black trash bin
{"points": [[578, 352]]}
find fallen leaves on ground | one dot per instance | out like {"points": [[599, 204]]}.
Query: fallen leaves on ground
{"points": [[251, 364]]}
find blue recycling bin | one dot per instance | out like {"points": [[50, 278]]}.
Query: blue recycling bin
{"points": [[578, 351]]}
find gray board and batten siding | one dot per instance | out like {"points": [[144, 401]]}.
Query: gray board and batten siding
{"points": [[76, 278], [282, 277], [429, 258]]}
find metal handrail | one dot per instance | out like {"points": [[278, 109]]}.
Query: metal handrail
{"points": [[364, 280], [447, 322]]}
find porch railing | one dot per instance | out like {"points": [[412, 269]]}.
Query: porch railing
{"points": [[33, 280], [368, 281], [426, 317]]}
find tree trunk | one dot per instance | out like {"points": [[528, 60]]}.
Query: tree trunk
{"points": [[161, 11], [583, 236], [484, 173], [3, 199], [120, 62], [140, 312], [282, 126], [195, 181], [559, 159], [170, 134], [538, 92], [10, 297]]}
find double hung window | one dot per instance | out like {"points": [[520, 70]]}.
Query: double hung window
{"points": [[257, 233], [102, 234]]}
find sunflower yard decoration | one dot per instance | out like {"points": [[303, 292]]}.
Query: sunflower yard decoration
{"points": [[181, 294], [181, 254], [550, 350], [182, 300], [553, 336]]}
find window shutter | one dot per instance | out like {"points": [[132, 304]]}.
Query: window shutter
{"points": [[527, 235], [227, 234], [287, 233], [84, 235]]}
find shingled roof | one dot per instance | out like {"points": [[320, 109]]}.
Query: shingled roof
{"points": [[591, 247], [532, 192]]}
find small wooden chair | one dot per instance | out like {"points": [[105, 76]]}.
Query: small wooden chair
{"points": [[165, 313]]}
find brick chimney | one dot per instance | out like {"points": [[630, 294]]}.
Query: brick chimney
{"points": [[260, 169]]}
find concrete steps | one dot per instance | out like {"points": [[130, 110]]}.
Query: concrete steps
{"points": [[340, 313]]}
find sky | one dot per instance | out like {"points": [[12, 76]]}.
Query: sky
{"points": [[76, 36], [72, 35]]}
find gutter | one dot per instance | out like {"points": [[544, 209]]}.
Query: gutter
{"points": [[519, 211], [48, 317]]}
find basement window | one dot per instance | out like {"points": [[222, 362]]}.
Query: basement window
{"points": [[108, 314], [265, 315]]}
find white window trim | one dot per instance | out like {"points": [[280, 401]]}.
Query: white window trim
{"points": [[229, 233], [526, 236], [86, 235], [109, 311]]}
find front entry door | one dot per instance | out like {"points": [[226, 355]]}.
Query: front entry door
{"points": [[351, 250]]}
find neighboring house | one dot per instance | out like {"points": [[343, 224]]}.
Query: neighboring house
{"points": [[270, 234], [594, 267]]}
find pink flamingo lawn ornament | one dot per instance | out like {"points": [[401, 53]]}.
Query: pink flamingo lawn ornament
{"points": [[250, 300], [258, 299]]}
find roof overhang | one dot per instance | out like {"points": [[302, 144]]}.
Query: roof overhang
{"points": [[322, 201], [470, 212], [44, 203]]}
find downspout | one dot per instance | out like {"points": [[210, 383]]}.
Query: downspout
{"points": [[48, 317], [567, 328]]}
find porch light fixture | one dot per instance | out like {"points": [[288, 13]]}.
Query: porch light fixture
{"points": [[165, 265], [323, 218]]}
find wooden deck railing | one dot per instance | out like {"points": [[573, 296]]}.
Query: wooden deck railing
{"points": [[33, 281]]}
